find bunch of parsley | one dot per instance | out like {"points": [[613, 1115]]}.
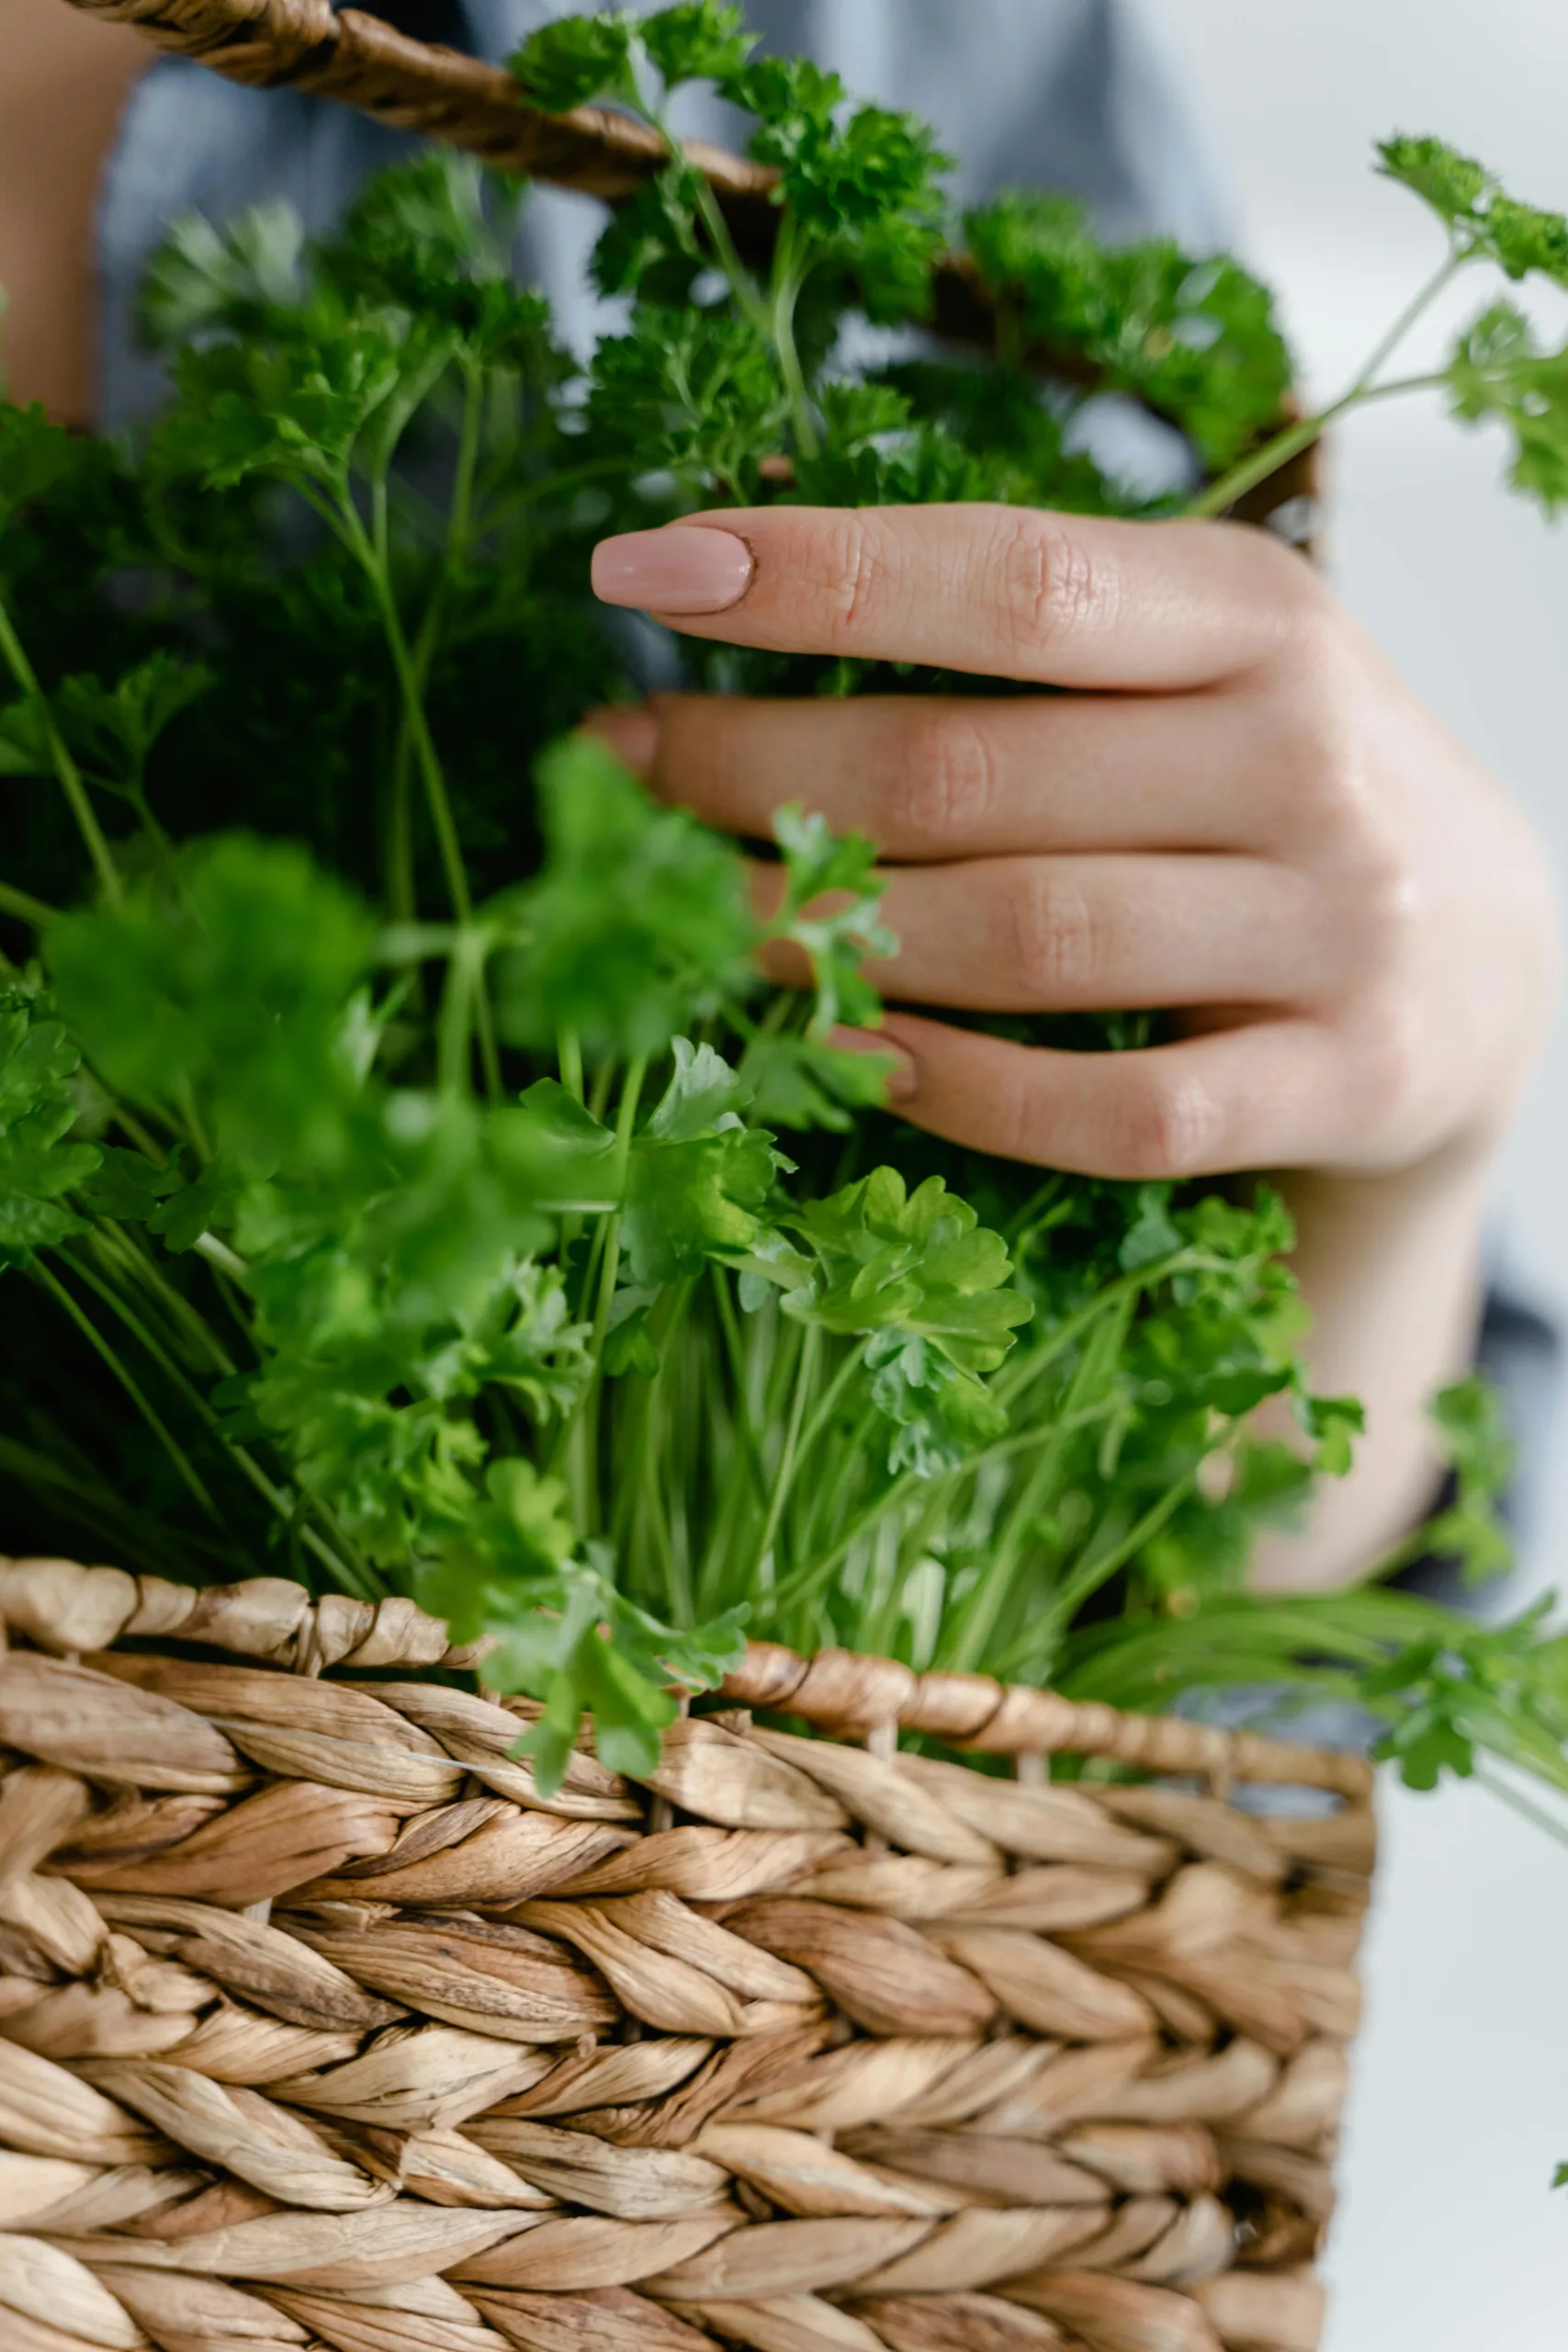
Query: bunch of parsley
{"points": [[411, 1183]]}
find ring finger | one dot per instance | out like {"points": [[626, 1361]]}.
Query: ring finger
{"points": [[1085, 934]]}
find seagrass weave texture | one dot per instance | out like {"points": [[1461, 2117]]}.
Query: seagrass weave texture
{"points": [[320, 2028]]}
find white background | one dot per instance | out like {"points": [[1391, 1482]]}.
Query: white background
{"points": [[1447, 2239]]}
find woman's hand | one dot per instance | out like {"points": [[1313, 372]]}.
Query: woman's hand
{"points": [[1238, 814]]}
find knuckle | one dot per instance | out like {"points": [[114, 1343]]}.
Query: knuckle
{"points": [[1047, 584], [1055, 944], [1018, 1120], [1287, 587], [1377, 909], [1325, 773], [945, 780], [1167, 1128], [847, 581], [1392, 1063]]}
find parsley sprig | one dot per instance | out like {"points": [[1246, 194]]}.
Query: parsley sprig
{"points": [[412, 1184], [1496, 370]]}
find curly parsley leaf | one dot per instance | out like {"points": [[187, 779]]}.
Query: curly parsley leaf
{"points": [[576, 60], [638, 923], [836, 940], [1499, 373], [698, 40], [39, 1166], [1483, 221], [930, 1288], [698, 1177]]}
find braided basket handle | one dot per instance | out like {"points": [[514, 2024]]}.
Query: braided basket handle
{"points": [[358, 61]]}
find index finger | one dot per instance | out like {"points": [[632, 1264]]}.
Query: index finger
{"points": [[1066, 600]]}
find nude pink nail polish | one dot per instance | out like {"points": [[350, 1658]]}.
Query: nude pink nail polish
{"points": [[681, 570]]}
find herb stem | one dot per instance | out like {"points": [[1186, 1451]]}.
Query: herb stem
{"points": [[1280, 447], [185, 1470], [1515, 1799], [1413, 313], [1092, 1572], [65, 767], [438, 800], [789, 276], [198, 1405], [584, 1429], [805, 1374]]}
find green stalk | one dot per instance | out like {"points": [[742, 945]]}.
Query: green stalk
{"points": [[640, 1509], [1515, 1799], [830, 1398], [583, 1434], [65, 767], [789, 277], [123, 1257], [352, 531], [183, 1468], [745, 1478], [804, 1373], [342, 1562], [772, 315], [23, 908], [805, 1581], [1248, 472], [742, 285], [1090, 1574]]}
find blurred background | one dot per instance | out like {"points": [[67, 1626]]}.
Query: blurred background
{"points": [[1448, 2237]]}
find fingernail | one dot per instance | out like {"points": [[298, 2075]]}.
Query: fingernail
{"points": [[632, 735], [903, 1070], [682, 569]]}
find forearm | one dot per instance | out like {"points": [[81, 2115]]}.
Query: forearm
{"points": [[62, 82], [1391, 1268]]}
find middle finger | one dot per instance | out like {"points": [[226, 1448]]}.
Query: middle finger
{"points": [[932, 777]]}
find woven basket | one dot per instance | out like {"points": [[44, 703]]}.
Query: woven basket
{"points": [[318, 2027]]}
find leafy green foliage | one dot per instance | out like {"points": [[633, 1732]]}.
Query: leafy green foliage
{"points": [[638, 926], [415, 1186], [928, 1286], [1480, 217], [698, 40], [1195, 340], [1499, 372], [38, 1163], [232, 984]]}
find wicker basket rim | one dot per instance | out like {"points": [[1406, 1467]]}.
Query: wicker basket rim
{"points": [[68, 1609]]}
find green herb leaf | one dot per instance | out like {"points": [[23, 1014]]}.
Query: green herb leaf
{"points": [[575, 60], [698, 40], [39, 1165], [638, 925]]}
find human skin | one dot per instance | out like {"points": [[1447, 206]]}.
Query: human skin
{"points": [[62, 82], [1240, 813], [1237, 813]]}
